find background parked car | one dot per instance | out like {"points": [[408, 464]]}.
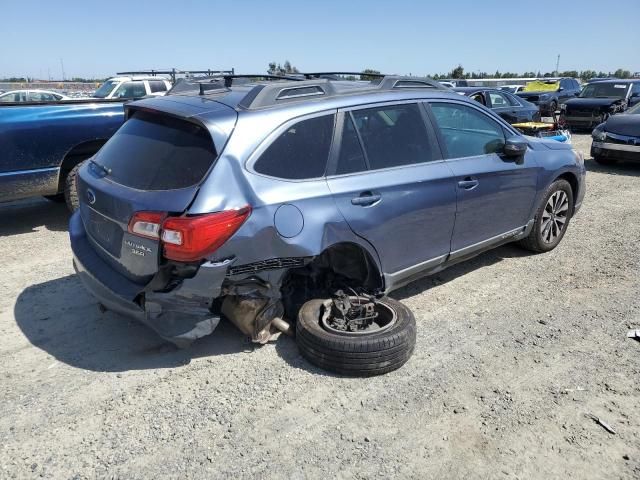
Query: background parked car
{"points": [[549, 94], [42, 145], [31, 96], [511, 88], [599, 100], [133, 87], [618, 138], [510, 107]]}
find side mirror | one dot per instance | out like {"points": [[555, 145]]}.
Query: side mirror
{"points": [[515, 147], [561, 89]]}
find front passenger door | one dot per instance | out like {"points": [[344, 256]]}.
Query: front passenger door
{"points": [[495, 194]]}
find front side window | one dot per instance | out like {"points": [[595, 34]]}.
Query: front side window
{"points": [[130, 90], [466, 131], [301, 152], [393, 135], [41, 97]]}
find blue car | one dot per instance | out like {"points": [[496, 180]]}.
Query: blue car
{"points": [[296, 204]]}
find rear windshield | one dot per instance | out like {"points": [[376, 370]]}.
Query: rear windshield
{"points": [[156, 152]]}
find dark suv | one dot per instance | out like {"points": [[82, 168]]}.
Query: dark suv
{"points": [[549, 100], [297, 205]]}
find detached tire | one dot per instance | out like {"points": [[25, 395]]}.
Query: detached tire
{"points": [[356, 354], [71, 189]]}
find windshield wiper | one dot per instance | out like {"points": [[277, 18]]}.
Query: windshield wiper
{"points": [[106, 170]]}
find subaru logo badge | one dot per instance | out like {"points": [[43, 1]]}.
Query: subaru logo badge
{"points": [[91, 197]]}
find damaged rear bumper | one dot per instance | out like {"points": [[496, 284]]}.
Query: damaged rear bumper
{"points": [[180, 315]]}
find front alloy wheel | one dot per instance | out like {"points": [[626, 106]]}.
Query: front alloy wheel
{"points": [[552, 218], [555, 216]]}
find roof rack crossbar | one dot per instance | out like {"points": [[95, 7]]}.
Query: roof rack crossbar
{"points": [[175, 71]]}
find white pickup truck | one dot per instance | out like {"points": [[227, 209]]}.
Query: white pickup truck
{"points": [[133, 87]]}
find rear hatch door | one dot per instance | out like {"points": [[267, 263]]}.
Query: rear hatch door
{"points": [[156, 162]]}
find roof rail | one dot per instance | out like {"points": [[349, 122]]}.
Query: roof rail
{"points": [[267, 95], [328, 75], [390, 82]]}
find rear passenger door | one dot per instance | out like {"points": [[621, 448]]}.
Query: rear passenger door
{"points": [[393, 187], [495, 193]]}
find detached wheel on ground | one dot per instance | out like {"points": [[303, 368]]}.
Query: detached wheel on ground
{"points": [[552, 218], [553, 106], [71, 188], [356, 336]]}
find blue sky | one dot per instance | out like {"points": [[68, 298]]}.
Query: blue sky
{"points": [[394, 36]]}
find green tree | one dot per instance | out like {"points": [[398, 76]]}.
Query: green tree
{"points": [[370, 71], [620, 73], [277, 69], [457, 72]]}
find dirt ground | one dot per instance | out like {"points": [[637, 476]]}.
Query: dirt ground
{"points": [[513, 351]]}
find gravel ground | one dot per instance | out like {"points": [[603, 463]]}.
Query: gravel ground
{"points": [[513, 351]]}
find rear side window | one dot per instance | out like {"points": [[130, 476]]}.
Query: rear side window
{"points": [[393, 135], [466, 131], [157, 86], [301, 152], [498, 100], [155, 152]]}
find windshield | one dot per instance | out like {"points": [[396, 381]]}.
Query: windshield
{"points": [[105, 89], [605, 90]]}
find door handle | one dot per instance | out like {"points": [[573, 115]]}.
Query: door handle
{"points": [[366, 198], [468, 183]]}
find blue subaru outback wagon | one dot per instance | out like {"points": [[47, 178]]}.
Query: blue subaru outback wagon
{"points": [[294, 204]]}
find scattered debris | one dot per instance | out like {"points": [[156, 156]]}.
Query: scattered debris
{"points": [[635, 334], [601, 422]]}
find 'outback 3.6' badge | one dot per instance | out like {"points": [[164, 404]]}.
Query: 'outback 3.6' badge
{"points": [[137, 248]]}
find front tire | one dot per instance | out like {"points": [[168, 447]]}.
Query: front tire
{"points": [[552, 218], [356, 354]]}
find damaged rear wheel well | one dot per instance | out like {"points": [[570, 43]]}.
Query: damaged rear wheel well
{"points": [[345, 266]]}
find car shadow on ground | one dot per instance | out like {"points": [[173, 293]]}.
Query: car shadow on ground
{"points": [[488, 258], [26, 215], [629, 169], [64, 320]]}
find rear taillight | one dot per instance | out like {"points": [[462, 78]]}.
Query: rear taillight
{"points": [[146, 224], [189, 239]]}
